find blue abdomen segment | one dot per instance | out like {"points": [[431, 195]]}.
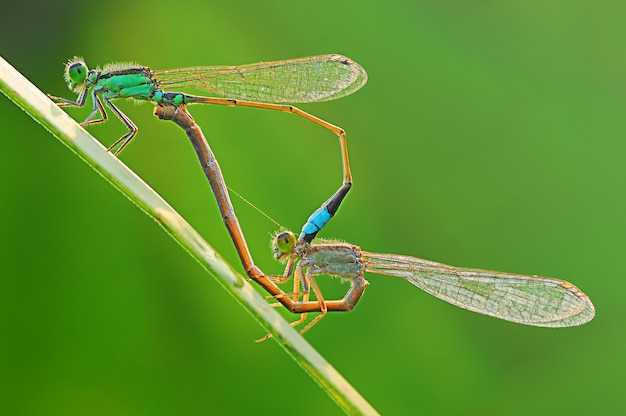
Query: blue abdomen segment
{"points": [[316, 221], [323, 214]]}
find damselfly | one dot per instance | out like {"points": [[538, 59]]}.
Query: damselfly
{"points": [[529, 300], [269, 85]]}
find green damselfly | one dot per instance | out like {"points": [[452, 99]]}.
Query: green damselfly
{"points": [[269, 85]]}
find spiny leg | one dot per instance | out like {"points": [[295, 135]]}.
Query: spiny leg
{"points": [[320, 298], [64, 102], [287, 274], [349, 301], [132, 129], [306, 292], [80, 102], [97, 108], [297, 278], [320, 305], [296, 294]]}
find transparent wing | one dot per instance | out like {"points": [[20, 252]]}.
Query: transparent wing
{"points": [[530, 300], [303, 80]]}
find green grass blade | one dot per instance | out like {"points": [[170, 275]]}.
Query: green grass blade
{"points": [[36, 104]]}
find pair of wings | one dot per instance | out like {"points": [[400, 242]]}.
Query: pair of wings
{"points": [[301, 80], [529, 300]]}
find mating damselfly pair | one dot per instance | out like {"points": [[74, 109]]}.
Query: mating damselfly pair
{"points": [[529, 300]]}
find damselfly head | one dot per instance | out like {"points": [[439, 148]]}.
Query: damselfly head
{"points": [[76, 73], [283, 244]]}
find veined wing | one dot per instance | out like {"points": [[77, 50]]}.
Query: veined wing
{"points": [[302, 80], [529, 300]]}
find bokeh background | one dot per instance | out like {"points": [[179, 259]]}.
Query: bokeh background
{"points": [[490, 134]]}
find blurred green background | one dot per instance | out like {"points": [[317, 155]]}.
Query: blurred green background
{"points": [[490, 134]]}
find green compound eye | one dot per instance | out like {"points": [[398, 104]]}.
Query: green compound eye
{"points": [[285, 242], [77, 72]]}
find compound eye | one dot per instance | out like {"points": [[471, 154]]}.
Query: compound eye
{"points": [[77, 72], [285, 242]]}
